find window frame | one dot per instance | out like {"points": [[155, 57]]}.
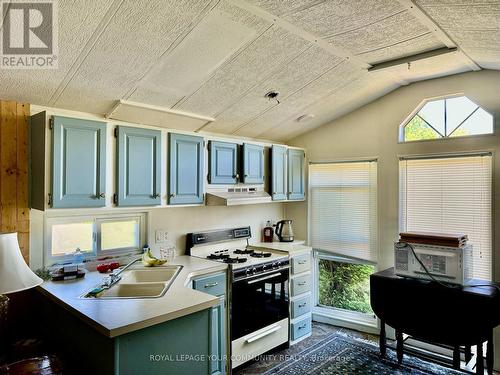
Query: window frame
{"points": [[97, 252], [340, 317], [346, 318], [413, 113]]}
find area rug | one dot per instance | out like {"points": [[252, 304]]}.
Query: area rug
{"points": [[343, 354]]}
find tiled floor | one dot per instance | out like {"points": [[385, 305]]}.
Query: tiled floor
{"points": [[319, 332]]}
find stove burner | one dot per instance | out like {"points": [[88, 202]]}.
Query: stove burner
{"points": [[260, 255], [217, 256], [246, 251], [234, 260]]}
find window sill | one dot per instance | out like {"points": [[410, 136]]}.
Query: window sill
{"points": [[352, 320]]}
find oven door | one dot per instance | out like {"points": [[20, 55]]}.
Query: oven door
{"points": [[259, 301]]}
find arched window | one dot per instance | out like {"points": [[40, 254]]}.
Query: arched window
{"points": [[446, 118]]}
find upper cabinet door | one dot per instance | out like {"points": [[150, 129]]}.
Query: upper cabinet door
{"points": [[223, 163], [296, 174], [279, 173], [253, 164], [138, 153], [185, 169], [78, 163]]}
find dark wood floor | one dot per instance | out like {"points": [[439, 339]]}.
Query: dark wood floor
{"points": [[319, 332]]}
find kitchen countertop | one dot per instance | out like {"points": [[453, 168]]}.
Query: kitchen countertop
{"points": [[289, 247], [115, 317]]}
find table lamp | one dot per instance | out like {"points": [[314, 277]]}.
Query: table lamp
{"points": [[15, 275]]}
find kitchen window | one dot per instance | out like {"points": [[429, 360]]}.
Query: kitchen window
{"points": [[450, 194], [343, 234], [95, 236], [447, 118]]}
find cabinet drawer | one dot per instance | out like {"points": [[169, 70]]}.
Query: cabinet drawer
{"points": [[301, 284], [301, 328], [213, 284], [301, 263], [301, 306]]}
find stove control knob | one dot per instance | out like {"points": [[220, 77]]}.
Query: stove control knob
{"points": [[264, 267], [278, 264], [254, 271], [248, 272]]}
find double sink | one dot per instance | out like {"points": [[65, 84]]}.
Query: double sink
{"points": [[140, 283]]}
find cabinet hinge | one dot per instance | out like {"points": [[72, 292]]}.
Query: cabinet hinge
{"points": [[115, 132], [51, 123], [115, 198]]}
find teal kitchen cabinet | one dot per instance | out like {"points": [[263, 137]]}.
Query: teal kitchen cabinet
{"points": [[216, 285], [253, 164], [186, 165], [78, 161], [296, 174], [138, 158], [175, 347], [279, 173], [77, 168], [223, 163]]}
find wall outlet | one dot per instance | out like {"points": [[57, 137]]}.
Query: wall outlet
{"points": [[159, 236]]}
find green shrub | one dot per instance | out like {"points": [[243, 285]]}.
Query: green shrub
{"points": [[345, 285]]}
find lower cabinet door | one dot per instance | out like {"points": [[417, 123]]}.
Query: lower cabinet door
{"points": [[218, 339]]}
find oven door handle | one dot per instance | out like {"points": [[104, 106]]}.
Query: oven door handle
{"points": [[263, 334], [263, 278]]}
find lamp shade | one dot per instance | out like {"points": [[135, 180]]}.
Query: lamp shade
{"points": [[15, 275]]}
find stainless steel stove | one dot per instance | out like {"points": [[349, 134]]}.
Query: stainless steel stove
{"points": [[258, 290]]}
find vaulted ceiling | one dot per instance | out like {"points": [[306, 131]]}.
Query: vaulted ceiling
{"points": [[218, 59]]}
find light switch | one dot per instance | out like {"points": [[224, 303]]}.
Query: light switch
{"points": [[159, 236]]}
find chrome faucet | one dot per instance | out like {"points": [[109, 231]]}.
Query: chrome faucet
{"points": [[114, 277]]}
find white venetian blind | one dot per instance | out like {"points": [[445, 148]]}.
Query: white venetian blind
{"points": [[343, 208], [450, 195]]}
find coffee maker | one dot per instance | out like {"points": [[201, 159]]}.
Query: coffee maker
{"points": [[284, 230]]}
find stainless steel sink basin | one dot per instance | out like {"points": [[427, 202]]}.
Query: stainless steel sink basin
{"points": [[139, 283]]}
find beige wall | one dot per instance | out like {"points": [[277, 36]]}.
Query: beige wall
{"points": [[179, 221], [372, 131]]}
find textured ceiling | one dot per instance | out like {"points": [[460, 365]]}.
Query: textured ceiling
{"points": [[219, 58]]}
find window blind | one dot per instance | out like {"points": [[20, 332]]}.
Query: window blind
{"points": [[450, 195], [343, 208]]}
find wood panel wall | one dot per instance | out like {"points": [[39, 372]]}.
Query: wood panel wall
{"points": [[14, 169]]}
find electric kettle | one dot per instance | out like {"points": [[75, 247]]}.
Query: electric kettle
{"points": [[284, 230]]}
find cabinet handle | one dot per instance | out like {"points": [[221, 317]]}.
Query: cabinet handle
{"points": [[303, 326], [102, 195], [302, 283], [172, 195], [154, 196], [302, 261], [211, 285], [303, 304], [263, 334]]}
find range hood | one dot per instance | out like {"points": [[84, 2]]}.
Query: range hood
{"points": [[237, 196]]}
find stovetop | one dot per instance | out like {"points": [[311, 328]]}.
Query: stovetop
{"points": [[242, 256]]}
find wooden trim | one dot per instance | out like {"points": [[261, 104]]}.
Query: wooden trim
{"points": [[14, 171]]}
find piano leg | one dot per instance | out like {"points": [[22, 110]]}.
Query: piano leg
{"points": [[479, 359], [382, 339], [399, 346]]}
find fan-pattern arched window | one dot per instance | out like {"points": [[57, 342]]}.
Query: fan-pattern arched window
{"points": [[446, 118]]}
